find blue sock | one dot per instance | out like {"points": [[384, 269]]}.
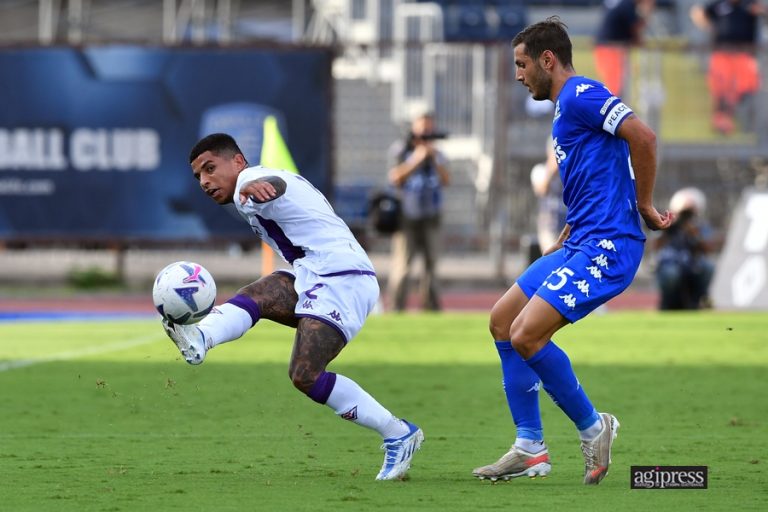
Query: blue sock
{"points": [[521, 385], [554, 369]]}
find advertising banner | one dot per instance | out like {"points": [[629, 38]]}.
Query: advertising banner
{"points": [[94, 142], [741, 276]]}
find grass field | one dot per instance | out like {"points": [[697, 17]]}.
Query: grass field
{"points": [[104, 416]]}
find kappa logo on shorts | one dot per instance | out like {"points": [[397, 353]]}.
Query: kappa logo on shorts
{"points": [[607, 245], [601, 260], [595, 272], [583, 286], [569, 300]]}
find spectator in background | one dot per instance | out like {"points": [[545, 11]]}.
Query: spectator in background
{"points": [[733, 75], [547, 187], [419, 171], [622, 26], [683, 268]]}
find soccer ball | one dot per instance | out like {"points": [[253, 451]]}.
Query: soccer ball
{"points": [[184, 292]]}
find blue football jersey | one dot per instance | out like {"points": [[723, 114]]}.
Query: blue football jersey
{"points": [[597, 176]]}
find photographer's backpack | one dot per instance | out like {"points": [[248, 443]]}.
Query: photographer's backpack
{"points": [[384, 212]]}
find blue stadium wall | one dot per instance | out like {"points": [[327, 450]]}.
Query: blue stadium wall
{"points": [[94, 142]]}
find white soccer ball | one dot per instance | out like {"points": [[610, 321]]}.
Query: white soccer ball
{"points": [[184, 292]]}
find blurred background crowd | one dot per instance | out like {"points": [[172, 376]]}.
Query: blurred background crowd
{"points": [[103, 98]]}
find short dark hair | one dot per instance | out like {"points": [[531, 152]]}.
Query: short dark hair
{"points": [[550, 34], [216, 143]]}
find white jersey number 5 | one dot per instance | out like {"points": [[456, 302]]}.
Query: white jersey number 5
{"points": [[563, 273]]}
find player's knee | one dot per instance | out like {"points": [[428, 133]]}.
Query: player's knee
{"points": [[302, 379], [499, 327], [523, 341], [499, 323]]}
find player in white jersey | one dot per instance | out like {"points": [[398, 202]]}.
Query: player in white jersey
{"points": [[326, 297]]}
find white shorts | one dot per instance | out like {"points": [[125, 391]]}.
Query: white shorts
{"points": [[342, 300]]}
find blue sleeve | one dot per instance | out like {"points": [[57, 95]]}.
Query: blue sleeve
{"points": [[598, 109]]}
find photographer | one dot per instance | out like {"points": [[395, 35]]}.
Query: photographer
{"points": [[418, 172], [683, 268]]}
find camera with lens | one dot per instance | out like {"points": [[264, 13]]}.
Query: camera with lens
{"points": [[413, 138]]}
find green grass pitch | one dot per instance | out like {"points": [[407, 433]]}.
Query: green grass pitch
{"points": [[104, 416]]}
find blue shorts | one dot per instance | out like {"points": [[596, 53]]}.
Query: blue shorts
{"points": [[577, 281]]}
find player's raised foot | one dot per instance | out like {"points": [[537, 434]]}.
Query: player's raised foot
{"points": [[188, 339], [597, 453], [398, 453], [515, 463]]}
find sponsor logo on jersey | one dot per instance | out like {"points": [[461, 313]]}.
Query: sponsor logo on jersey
{"points": [[336, 316], [307, 305], [557, 111], [560, 154]]}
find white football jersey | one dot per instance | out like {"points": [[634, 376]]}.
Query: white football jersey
{"points": [[301, 225]]}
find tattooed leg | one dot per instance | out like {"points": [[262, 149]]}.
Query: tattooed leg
{"points": [[271, 297], [275, 296], [316, 345]]}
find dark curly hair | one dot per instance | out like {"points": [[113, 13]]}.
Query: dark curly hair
{"points": [[218, 144], [550, 34]]}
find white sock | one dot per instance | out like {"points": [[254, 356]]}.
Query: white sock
{"points": [[591, 432], [529, 445], [224, 323], [353, 403]]}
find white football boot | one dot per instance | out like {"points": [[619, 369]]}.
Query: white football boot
{"points": [[597, 453], [515, 463], [398, 453], [189, 339]]}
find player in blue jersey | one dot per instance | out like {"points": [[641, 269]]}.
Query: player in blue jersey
{"points": [[607, 162], [327, 295]]}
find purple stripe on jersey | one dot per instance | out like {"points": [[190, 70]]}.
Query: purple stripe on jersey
{"points": [[327, 322], [289, 251], [322, 387], [350, 272], [248, 304]]}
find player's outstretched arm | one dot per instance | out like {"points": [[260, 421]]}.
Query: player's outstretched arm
{"points": [[642, 153], [263, 189]]}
